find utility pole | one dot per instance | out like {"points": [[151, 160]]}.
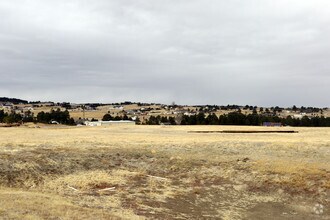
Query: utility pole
{"points": [[83, 107]]}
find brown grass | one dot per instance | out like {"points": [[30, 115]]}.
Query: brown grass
{"points": [[158, 171], [18, 204]]}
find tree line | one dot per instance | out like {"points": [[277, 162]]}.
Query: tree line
{"points": [[10, 118], [233, 118], [237, 118], [108, 117], [156, 120], [13, 100], [62, 117]]}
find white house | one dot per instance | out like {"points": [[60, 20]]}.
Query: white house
{"points": [[107, 123], [298, 116]]}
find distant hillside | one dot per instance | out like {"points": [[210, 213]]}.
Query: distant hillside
{"points": [[13, 100]]}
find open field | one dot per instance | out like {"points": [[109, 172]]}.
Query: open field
{"points": [[163, 172]]}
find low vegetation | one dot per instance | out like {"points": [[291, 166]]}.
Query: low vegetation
{"points": [[58, 116], [21, 111], [162, 172], [238, 118]]}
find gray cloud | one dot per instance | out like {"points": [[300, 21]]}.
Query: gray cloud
{"points": [[192, 52]]}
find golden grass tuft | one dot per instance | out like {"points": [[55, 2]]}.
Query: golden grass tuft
{"points": [[87, 181], [294, 176], [16, 204]]}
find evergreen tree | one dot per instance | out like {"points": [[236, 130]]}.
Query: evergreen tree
{"points": [[107, 117], [2, 115]]}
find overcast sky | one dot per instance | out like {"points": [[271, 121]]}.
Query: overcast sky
{"points": [[256, 52]]}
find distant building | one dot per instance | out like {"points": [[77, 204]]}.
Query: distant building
{"points": [[165, 123], [272, 124], [47, 104], [189, 113], [7, 106], [298, 116], [105, 123], [130, 112], [118, 107]]}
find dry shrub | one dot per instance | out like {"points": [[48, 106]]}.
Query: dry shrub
{"points": [[16, 204], [289, 167], [90, 180], [157, 184], [293, 175]]}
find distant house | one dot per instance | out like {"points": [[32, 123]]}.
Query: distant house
{"points": [[178, 112], [81, 121], [298, 116], [118, 107], [189, 113], [272, 124], [47, 104], [130, 112], [107, 123], [28, 108], [7, 106]]}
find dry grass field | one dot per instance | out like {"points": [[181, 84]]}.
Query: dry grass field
{"points": [[163, 172]]}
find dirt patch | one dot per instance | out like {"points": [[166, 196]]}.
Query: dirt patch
{"points": [[278, 211]]}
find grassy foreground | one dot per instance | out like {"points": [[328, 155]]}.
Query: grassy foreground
{"points": [[163, 172]]}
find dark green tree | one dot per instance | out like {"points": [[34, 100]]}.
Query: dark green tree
{"points": [[107, 117]]}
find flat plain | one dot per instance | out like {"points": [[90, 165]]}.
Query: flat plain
{"points": [[163, 172]]}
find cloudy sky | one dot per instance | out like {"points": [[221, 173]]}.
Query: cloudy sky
{"points": [[257, 52]]}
